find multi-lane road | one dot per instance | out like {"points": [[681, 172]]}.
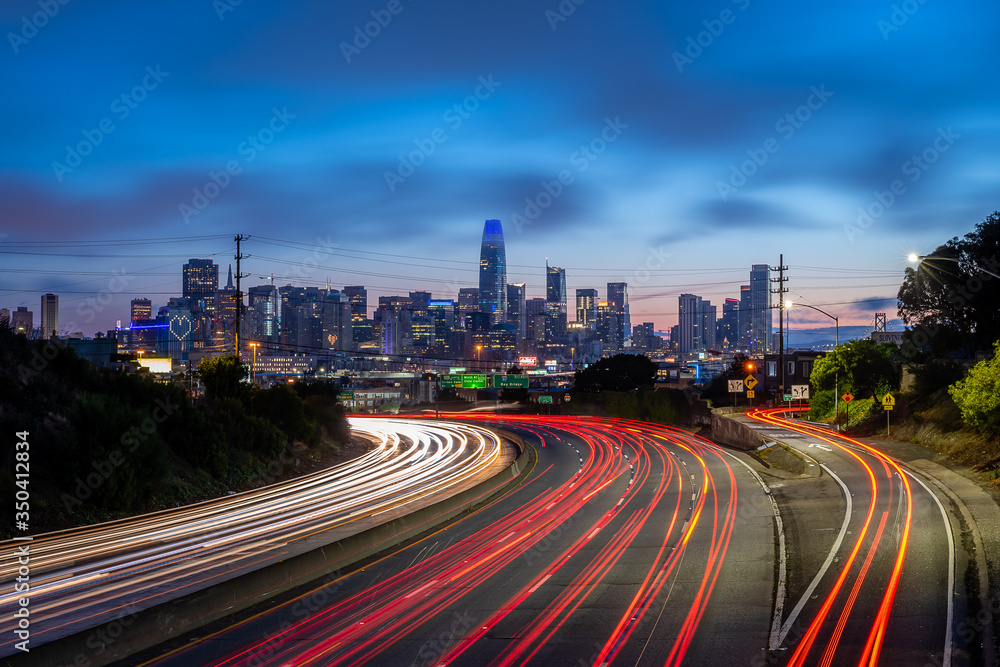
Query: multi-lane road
{"points": [[82, 578], [633, 543]]}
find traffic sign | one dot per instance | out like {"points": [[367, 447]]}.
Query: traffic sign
{"points": [[544, 399], [749, 393], [510, 381], [888, 402], [474, 381], [847, 397], [735, 386], [787, 398], [800, 392], [750, 382], [347, 393], [450, 381], [566, 398]]}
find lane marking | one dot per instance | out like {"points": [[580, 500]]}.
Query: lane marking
{"points": [[829, 558]]}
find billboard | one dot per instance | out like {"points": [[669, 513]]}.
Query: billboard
{"points": [[527, 361]]}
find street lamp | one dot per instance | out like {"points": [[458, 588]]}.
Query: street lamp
{"points": [[915, 258], [253, 367], [836, 376], [479, 359]]}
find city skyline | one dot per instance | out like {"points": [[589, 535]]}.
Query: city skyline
{"points": [[663, 145]]}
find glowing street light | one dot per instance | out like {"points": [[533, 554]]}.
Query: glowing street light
{"points": [[915, 258], [253, 367]]}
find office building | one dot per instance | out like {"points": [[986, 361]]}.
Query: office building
{"points": [[516, 301], [22, 320], [709, 318], [744, 318], [142, 309], [729, 326], [555, 302], [618, 304], [358, 296], [50, 315], [493, 273], [338, 333], [760, 308], [468, 303], [586, 308], [689, 323], [264, 313], [200, 279]]}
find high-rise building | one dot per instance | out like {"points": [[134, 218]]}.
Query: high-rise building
{"points": [[689, 322], [709, 317], [760, 308], [359, 301], [442, 311], [729, 325], [50, 315], [264, 311], [644, 337], [555, 302], [22, 320], [142, 309], [618, 304], [493, 273], [338, 332], [418, 303], [516, 316], [5, 314], [609, 328], [200, 279], [468, 303], [586, 308], [744, 318]]}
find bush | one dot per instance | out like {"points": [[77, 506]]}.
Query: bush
{"points": [[978, 395], [821, 405]]}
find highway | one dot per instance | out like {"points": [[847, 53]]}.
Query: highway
{"points": [[630, 543], [84, 577], [881, 585]]}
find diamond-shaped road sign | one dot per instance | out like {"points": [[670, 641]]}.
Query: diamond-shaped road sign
{"points": [[847, 397], [750, 382]]}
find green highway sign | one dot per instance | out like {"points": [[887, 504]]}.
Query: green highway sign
{"points": [[450, 381], [475, 381], [510, 381], [456, 369], [544, 399], [788, 398], [347, 393]]}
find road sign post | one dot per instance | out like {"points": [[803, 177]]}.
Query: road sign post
{"points": [[888, 403], [750, 382], [847, 398]]}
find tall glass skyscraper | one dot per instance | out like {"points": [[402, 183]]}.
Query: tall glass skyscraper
{"points": [[493, 273], [555, 302], [760, 308]]}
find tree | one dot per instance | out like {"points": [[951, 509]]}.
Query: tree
{"points": [[951, 306], [622, 372], [978, 395], [224, 377], [864, 367]]}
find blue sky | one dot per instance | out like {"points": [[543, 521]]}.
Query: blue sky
{"points": [[693, 138]]}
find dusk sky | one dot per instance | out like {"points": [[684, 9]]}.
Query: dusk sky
{"points": [[695, 139]]}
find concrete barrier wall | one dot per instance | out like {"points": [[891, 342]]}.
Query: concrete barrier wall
{"points": [[135, 631], [733, 433]]}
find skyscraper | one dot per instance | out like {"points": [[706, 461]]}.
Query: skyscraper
{"points": [[689, 322], [744, 318], [760, 308], [359, 301], [142, 309], [555, 302], [586, 308], [493, 273], [618, 304], [468, 303], [709, 315], [50, 315], [729, 325], [200, 279], [515, 307]]}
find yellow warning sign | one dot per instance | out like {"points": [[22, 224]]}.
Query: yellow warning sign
{"points": [[888, 402], [750, 382]]}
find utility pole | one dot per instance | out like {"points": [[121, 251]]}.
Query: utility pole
{"points": [[781, 291], [239, 294]]}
